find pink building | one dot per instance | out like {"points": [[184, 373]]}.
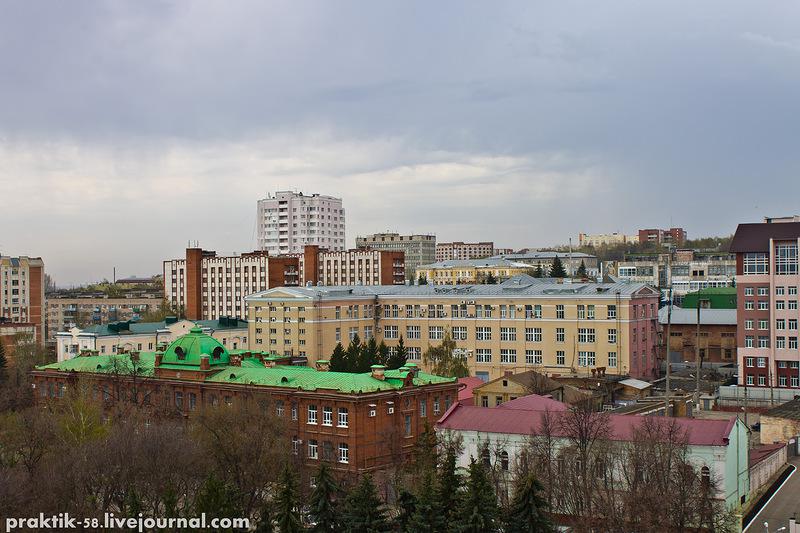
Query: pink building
{"points": [[767, 283]]}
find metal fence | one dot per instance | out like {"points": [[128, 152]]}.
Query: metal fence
{"points": [[733, 395]]}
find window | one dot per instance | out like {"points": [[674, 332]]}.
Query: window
{"points": [[786, 259], [612, 359], [295, 445], [794, 381], [414, 353], [504, 460], [559, 334], [763, 325], [508, 334], [762, 380], [763, 305], [390, 408], [560, 357], [612, 311], [581, 312], [748, 324], [586, 335], [460, 333], [533, 357], [780, 323], [312, 449], [423, 408], [793, 290], [483, 333], [338, 335], [537, 311], [749, 380], [792, 343], [327, 416], [793, 323], [780, 342], [756, 263], [763, 291], [763, 341], [748, 291], [612, 336], [436, 408], [780, 305], [341, 421], [781, 381], [508, 356], [748, 361], [779, 291], [749, 341], [372, 410], [344, 453], [294, 411], [559, 311], [390, 332], [590, 312], [483, 355], [793, 305], [762, 362], [586, 359], [407, 425], [533, 334], [749, 305], [312, 414], [179, 399], [192, 401], [435, 332]]}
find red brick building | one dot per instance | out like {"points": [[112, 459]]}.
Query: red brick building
{"points": [[359, 422]]}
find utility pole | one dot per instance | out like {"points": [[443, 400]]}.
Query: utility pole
{"points": [[669, 338], [697, 362]]}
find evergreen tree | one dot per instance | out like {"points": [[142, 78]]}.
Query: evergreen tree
{"points": [[447, 493], [539, 272], [133, 504], [369, 355], [216, 499], [581, 272], [422, 280], [427, 516], [322, 504], [557, 269], [338, 361], [479, 511], [490, 279], [363, 510], [287, 514], [399, 357], [3, 362], [425, 452], [407, 503], [265, 524], [353, 355], [526, 512], [383, 354]]}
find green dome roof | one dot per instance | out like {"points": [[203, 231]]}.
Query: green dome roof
{"points": [[186, 350]]}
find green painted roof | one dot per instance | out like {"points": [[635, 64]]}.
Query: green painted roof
{"points": [[719, 298], [105, 364], [187, 349]]}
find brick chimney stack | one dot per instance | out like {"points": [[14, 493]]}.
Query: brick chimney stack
{"points": [[205, 363], [323, 366], [378, 372]]}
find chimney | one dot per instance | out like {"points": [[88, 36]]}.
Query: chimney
{"points": [[323, 365], [236, 360], [378, 372], [205, 363], [413, 368], [269, 362], [135, 355], [159, 357]]}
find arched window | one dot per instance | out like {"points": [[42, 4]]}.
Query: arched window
{"points": [[504, 460], [180, 353], [705, 477], [216, 353]]}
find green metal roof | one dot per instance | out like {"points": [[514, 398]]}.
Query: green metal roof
{"points": [[187, 350], [719, 298], [105, 364]]}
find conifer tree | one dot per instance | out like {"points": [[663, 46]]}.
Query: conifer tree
{"points": [[399, 357], [363, 510], [287, 515], [3, 362], [322, 504], [427, 515], [479, 512], [422, 280], [216, 499], [338, 360], [557, 269], [383, 354], [407, 503], [526, 512], [265, 524], [369, 355], [448, 490], [581, 272], [354, 355], [490, 279], [539, 272]]}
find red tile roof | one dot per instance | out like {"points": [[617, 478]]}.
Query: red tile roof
{"points": [[470, 383], [528, 422]]}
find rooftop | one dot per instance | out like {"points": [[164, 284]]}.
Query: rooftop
{"points": [[789, 410], [708, 317], [544, 255], [132, 327], [755, 237], [488, 262]]}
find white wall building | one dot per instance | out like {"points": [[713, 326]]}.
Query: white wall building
{"points": [[289, 220]]}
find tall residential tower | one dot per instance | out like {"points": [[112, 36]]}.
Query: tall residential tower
{"points": [[288, 221]]}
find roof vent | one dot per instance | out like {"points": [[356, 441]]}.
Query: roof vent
{"points": [[232, 376]]}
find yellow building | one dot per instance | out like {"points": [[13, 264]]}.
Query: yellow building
{"points": [[521, 324], [455, 272]]}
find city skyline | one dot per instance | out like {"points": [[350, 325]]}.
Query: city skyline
{"points": [[146, 126]]}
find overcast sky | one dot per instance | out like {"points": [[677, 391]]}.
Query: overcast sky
{"points": [[127, 129]]}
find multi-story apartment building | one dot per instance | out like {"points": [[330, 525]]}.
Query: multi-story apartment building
{"points": [[447, 251], [205, 286], [288, 221], [418, 249], [571, 261], [68, 309], [521, 324], [767, 298], [456, 272], [597, 240], [357, 422], [673, 236], [687, 270], [126, 336], [22, 292]]}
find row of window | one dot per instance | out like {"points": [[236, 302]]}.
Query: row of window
{"points": [[535, 357], [583, 311], [763, 324], [313, 450], [763, 305], [762, 363], [507, 334], [792, 381]]}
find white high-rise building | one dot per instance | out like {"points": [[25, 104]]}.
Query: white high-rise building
{"points": [[290, 220]]}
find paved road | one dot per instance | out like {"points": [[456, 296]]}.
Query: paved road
{"points": [[784, 504]]}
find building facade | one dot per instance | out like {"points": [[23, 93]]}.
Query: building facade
{"points": [[205, 286], [672, 236], [357, 422], [767, 283], [66, 310], [418, 249], [288, 221], [460, 271], [126, 336], [446, 251], [22, 292], [520, 325], [716, 340], [606, 239], [571, 261]]}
